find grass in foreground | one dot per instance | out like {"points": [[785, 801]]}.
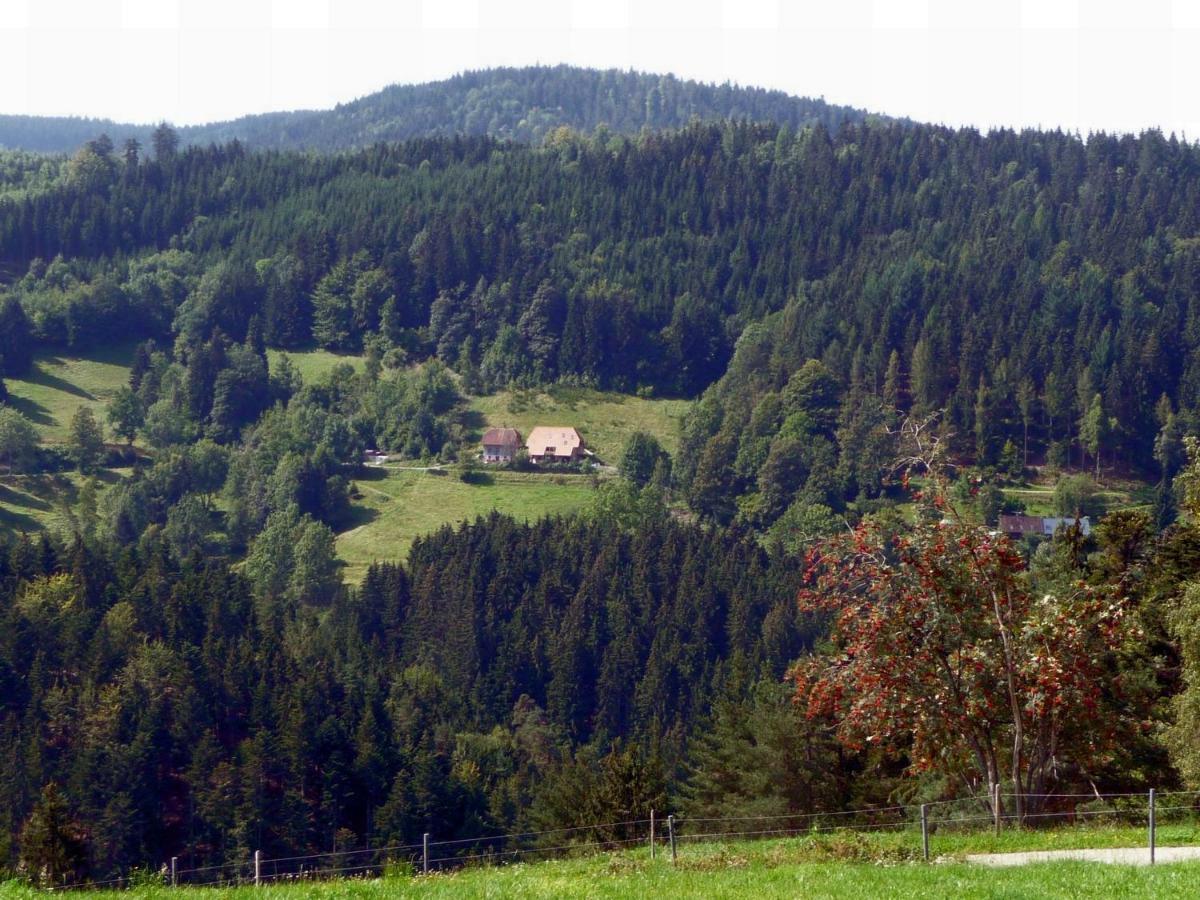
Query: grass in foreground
{"points": [[605, 420], [838, 866], [399, 505], [59, 384]]}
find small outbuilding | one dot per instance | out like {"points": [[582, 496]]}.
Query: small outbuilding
{"points": [[500, 445], [1017, 526], [554, 443]]}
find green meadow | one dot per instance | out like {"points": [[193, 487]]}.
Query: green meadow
{"points": [[397, 505], [60, 383], [605, 420]]}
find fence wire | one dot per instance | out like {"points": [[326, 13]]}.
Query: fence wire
{"points": [[962, 815]]}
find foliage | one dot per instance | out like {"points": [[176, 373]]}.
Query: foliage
{"points": [[53, 849], [18, 440], [200, 708], [955, 663], [86, 440], [125, 414], [1076, 495], [644, 460]]}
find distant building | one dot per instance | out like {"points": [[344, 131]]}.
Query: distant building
{"points": [[554, 443], [1018, 526], [500, 445]]}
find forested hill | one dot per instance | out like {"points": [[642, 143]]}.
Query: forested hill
{"points": [[1023, 281], [521, 104]]}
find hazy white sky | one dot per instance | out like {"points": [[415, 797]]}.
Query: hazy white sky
{"points": [[1080, 64]]}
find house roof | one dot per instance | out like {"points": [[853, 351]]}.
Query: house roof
{"points": [[556, 440], [1021, 524], [1041, 524], [501, 437]]}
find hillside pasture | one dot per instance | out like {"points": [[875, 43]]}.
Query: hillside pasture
{"points": [[398, 505], [60, 383], [46, 501], [605, 420], [313, 365]]}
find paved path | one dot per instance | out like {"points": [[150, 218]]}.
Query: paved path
{"points": [[1129, 856]]}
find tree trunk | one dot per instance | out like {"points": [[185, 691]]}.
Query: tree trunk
{"points": [[1015, 705]]}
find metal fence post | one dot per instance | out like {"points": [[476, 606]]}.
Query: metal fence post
{"points": [[925, 831], [652, 834], [1151, 826], [174, 871], [257, 868], [425, 854], [671, 833], [996, 804]]}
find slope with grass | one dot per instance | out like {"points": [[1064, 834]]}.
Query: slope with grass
{"points": [[49, 395], [398, 505], [314, 364], [59, 384], [851, 866], [605, 420], [48, 501]]}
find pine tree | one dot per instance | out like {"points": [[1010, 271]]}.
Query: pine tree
{"points": [[53, 851]]}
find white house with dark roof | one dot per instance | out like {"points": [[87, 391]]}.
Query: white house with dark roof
{"points": [[500, 445]]}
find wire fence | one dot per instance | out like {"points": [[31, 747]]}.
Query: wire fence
{"points": [[920, 823]]}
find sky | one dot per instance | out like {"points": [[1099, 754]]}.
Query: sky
{"points": [[1082, 65]]}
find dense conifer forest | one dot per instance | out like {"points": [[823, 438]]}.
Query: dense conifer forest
{"points": [[182, 670]]}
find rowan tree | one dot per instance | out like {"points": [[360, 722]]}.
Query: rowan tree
{"points": [[939, 651]]}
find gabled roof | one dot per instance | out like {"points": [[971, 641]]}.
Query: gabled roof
{"points": [[553, 440], [501, 437]]}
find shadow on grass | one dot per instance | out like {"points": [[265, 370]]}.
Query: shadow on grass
{"points": [[18, 498], [371, 473], [357, 517], [33, 411], [473, 421], [106, 476], [19, 521], [45, 379]]}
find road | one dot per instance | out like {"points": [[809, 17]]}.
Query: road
{"points": [[1128, 856]]}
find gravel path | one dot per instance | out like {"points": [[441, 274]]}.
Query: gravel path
{"points": [[1129, 856]]}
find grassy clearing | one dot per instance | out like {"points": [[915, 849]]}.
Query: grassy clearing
{"points": [[59, 384], [605, 420], [840, 866], [41, 502], [312, 365], [399, 505], [1038, 495]]}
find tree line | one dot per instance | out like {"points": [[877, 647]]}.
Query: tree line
{"points": [[507, 678]]}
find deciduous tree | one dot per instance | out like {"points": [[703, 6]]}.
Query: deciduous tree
{"points": [[941, 652]]}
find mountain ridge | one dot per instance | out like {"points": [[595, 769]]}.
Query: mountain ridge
{"points": [[523, 104]]}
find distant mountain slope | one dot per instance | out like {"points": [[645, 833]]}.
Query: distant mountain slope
{"points": [[523, 104]]}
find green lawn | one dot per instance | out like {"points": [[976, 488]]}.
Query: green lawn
{"points": [[398, 505], [59, 384], [314, 364], [840, 866], [1038, 496], [605, 420]]}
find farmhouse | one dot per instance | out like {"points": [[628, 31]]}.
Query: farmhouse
{"points": [[1017, 526], [500, 445], [554, 443]]}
